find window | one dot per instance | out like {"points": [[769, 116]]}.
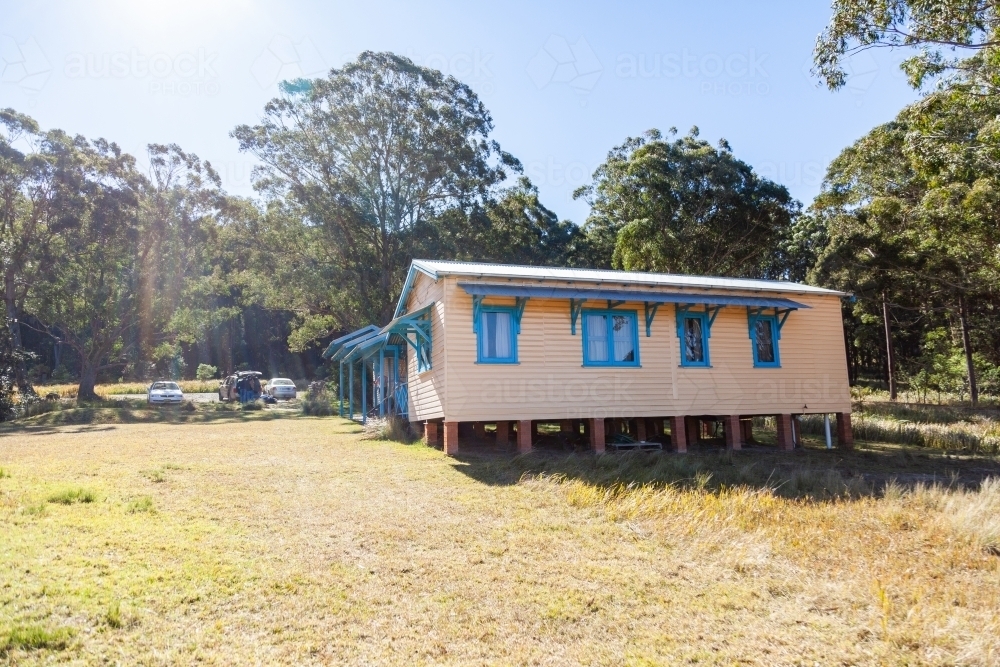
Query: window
{"points": [[610, 338], [497, 338], [764, 337], [694, 339]]}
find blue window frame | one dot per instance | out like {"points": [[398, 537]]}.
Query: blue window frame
{"points": [[496, 335], [765, 332], [610, 338], [693, 331]]}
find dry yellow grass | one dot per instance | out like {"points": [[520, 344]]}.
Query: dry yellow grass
{"points": [[247, 541]]}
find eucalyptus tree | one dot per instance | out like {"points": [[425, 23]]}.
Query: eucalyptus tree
{"points": [[513, 227], [366, 156], [25, 189], [180, 209], [90, 297], [910, 214], [945, 33], [685, 206]]}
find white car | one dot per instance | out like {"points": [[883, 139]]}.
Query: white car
{"points": [[164, 392], [281, 388]]}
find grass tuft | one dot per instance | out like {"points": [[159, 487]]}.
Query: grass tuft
{"points": [[72, 496], [141, 504], [35, 638], [4, 473], [33, 510], [113, 616]]}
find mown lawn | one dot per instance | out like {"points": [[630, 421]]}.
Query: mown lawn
{"points": [[245, 540]]}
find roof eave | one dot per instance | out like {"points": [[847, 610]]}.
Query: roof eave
{"points": [[779, 286], [411, 277]]}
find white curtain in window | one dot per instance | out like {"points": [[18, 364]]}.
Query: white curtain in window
{"points": [[624, 338], [502, 328], [496, 335], [597, 337]]}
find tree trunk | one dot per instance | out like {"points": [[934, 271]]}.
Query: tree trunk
{"points": [[88, 378], [963, 316], [14, 325], [890, 357]]}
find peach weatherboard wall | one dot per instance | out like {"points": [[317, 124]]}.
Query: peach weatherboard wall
{"points": [[550, 382]]}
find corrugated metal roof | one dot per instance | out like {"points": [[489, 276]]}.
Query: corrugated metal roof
{"points": [[537, 291], [435, 268]]}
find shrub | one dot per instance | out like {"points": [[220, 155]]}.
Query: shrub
{"points": [[206, 372], [318, 407], [252, 405], [4, 473], [390, 428]]}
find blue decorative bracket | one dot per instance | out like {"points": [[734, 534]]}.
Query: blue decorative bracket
{"points": [[477, 306], [650, 311], [783, 315], [683, 309], [575, 308], [519, 304], [614, 304], [713, 312], [780, 314]]}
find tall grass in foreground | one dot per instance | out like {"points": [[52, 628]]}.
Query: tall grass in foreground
{"points": [[618, 473], [973, 514], [978, 436]]}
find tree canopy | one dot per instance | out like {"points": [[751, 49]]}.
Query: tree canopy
{"points": [[368, 156], [684, 206], [944, 32]]}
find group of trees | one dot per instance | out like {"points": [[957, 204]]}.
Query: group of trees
{"points": [[907, 219], [96, 255], [134, 272]]}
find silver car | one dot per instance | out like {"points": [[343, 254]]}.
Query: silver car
{"points": [[281, 388], [163, 392]]}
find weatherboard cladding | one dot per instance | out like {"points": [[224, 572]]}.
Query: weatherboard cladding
{"points": [[550, 381], [427, 389]]}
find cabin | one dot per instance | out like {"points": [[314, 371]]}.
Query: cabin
{"points": [[514, 355]]}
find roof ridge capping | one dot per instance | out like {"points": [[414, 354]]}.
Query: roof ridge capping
{"points": [[437, 268]]}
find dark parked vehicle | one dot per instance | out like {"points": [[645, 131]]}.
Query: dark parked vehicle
{"points": [[242, 386]]}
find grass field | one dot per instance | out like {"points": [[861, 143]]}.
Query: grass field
{"points": [[240, 538]]}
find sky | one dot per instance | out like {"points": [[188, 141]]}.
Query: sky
{"points": [[565, 82]]}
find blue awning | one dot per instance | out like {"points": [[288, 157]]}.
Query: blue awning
{"points": [[540, 292], [349, 339], [350, 346]]}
